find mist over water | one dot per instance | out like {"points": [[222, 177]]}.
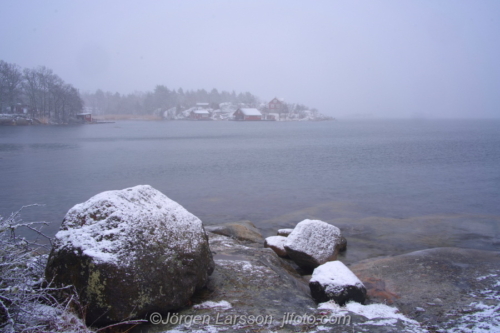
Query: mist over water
{"points": [[387, 183]]}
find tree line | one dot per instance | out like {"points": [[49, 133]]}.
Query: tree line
{"points": [[161, 99], [39, 92]]}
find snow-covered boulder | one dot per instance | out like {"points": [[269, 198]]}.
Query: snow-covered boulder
{"points": [[334, 281], [312, 243], [277, 244], [129, 253], [285, 232]]}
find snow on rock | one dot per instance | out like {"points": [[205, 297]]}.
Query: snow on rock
{"points": [[373, 311], [285, 232], [377, 314], [277, 244], [313, 243], [334, 281], [130, 252], [222, 305]]}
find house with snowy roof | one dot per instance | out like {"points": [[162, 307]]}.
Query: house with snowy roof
{"points": [[247, 114], [199, 115]]}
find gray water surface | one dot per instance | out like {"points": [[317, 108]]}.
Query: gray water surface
{"points": [[391, 185]]}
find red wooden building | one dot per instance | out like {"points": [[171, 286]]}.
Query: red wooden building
{"points": [[84, 117], [276, 105]]}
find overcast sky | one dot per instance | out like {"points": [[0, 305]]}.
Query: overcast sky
{"points": [[372, 58]]}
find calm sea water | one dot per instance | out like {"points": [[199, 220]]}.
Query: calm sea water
{"points": [[391, 185]]}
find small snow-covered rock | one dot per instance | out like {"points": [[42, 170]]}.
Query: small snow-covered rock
{"points": [[312, 243], [129, 253], [334, 281], [285, 232], [277, 244]]}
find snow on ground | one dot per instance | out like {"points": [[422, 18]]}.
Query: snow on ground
{"points": [[222, 305], [484, 316], [378, 315]]}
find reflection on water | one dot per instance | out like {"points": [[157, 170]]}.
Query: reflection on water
{"points": [[392, 186]]}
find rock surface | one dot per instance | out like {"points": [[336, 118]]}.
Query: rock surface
{"points": [[445, 289], [254, 281], [241, 230], [334, 281], [313, 243], [129, 253], [277, 244]]}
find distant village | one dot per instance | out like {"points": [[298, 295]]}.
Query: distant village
{"points": [[39, 97], [275, 110]]}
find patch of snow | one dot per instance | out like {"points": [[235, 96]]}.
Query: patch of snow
{"points": [[485, 316], [331, 306], [224, 305], [376, 311], [485, 277]]}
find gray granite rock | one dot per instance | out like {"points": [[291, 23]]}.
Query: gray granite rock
{"points": [[442, 288], [244, 231], [334, 281], [129, 253], [313, 243]]}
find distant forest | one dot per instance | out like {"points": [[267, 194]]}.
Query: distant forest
{"points": [[162, 99]]}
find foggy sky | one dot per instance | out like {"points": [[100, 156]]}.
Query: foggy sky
{"points": [[434, 59]]}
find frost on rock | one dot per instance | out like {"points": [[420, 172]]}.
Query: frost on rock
{"points": [[277, 244], [377, 315], [222, 305], [334, 281], [313, 243], [101, 227], [285, 232], [136, 243]]}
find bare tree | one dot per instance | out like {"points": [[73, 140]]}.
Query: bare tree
{"points": [[10, 85], [50, 96]]}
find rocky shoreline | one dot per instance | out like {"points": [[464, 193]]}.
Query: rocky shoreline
{"points": [[253, 289], [435, 290]]}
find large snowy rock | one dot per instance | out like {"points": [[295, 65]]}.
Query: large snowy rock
{"points": [[334, 281], [313, 243], [129, 253]]}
